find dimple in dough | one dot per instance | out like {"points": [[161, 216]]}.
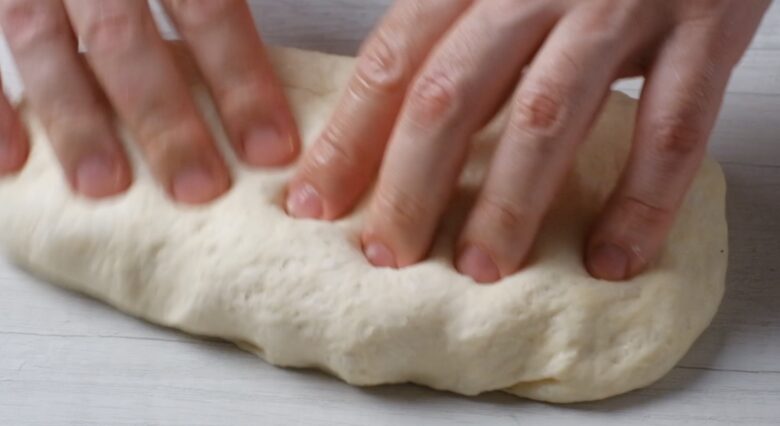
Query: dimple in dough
{"points": [[300, 293]]}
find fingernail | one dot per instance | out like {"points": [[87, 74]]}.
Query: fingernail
{"points": [[265, 146], [304, 202], [477, 264], [97, 175], [379, 255], [194, 185], [608, 262]]}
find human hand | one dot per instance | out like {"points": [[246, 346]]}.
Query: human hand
{"points": [[127, 67], [435, 72]]}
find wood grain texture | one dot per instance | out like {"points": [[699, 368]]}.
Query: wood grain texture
{"points": [[66, 359]]}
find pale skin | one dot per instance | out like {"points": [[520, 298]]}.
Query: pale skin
{"points": [[431, 75]]}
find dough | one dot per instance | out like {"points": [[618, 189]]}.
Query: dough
{"points": [[300, 294]]}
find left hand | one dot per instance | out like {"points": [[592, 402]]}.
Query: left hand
{"points": [[128, 71], [434, 72]]}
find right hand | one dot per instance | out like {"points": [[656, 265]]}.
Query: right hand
{"points": [[128, 68], [435, 72]]}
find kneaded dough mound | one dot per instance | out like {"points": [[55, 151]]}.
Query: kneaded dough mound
{"points": [[300, 293]]}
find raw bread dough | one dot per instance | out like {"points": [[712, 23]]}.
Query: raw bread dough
{"points": [[300, 294]]}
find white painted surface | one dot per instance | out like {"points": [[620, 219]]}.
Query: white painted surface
{"points": [[65, 359]]}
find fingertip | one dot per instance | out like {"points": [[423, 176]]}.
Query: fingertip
{"points": [[198, 184], [265, 145], [101, 175], [627, 238], [327, 185], [608, 261], [478, 264], [304, 201], [379, 254]]}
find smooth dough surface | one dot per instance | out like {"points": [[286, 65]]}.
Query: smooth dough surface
{"points": [[300, 294]]}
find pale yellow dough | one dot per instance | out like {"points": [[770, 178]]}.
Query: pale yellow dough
{"points": [[300, 293]]}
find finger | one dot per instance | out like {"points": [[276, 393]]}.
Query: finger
{"points": [[13, 139], [60, 90], [222, 37], [336, 171], [678, 108], [553, 108], [150, 94], [462, 84]]}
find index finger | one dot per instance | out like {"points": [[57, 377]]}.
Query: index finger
{"points": [[340, 165]]}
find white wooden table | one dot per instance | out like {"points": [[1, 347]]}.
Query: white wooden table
{"points": [[65, 359]]}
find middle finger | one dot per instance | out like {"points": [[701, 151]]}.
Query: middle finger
{"points": [[428, 146]]}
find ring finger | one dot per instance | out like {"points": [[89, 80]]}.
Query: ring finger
{"points": [[554, 106], [59, 88], [223, 39]]}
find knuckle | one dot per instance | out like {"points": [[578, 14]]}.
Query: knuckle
{"points": [[164, 140], [152, 114], [164, 121], [504, 16], [677, 137], [73, 128], [608, 23], [382, 68], [572, 65], [330, 153], [26, 23], [433, 99], [532, 146], [112, 28], [194, 14], [497, 11], [641, 214], [410, 11], [400, 207], [502, 213], [243, 96], [539, 147], [541, 110], [701, 12]]}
